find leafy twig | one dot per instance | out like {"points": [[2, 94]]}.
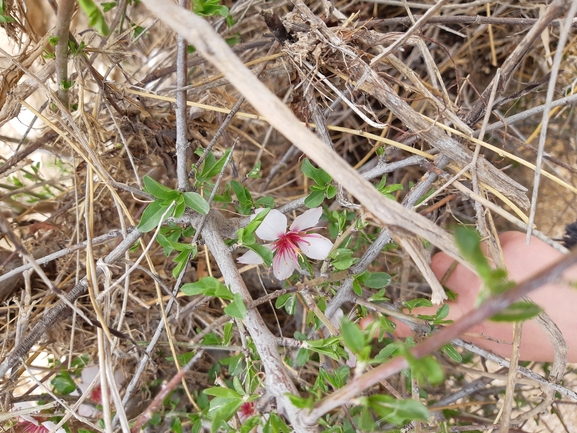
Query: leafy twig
{"points": [[444, 336]]}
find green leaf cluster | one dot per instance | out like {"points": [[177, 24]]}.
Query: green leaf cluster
{"points": [[330, 347], [168, 203], [327, 382], [210, 167], [388, 190], [338, 221], [210, 286], [323, 185], [342, 258], [168, 237], [226, 403]]}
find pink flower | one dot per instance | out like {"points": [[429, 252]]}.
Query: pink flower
{"points": [[287, 246], [246, 410], [32, 425]]}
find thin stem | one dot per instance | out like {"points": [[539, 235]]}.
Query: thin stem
{"points": [[64, 16], [181, 124]]}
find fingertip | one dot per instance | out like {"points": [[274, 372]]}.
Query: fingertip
{"points": [[440, 263]]}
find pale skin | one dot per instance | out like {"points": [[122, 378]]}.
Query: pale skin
{"points": [[559, 300]]}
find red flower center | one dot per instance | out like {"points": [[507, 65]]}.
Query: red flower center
{"points": [[287, 243]]}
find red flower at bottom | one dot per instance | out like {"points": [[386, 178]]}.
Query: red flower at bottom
{"points": [[246, 410]]}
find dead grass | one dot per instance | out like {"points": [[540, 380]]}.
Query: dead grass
{"points": [[122, 126]]}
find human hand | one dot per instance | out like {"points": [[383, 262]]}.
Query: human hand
{"points": [[523, 261]]}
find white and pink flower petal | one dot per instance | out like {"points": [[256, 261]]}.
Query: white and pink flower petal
{"points": [[250, 258], [315, 246], [273, 226], [307, 220], [284, 264]]}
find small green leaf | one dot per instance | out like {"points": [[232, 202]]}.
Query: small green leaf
{"points": [[236, 308], [212, 166], [222, 392], [315, 199], [221, 410], [320, 177], [209, 8], [63, 383], [442, 312], [342, 258], [397, 411], [518, 312], [365, 420], [469, 244], [196, 202], [387, 352], [352, 335], [108, 6], [376, 280], [331, 191], [179, 207], [275, 423], [303, 356], [250, 424], [155, 420], [418, 302], [183, 258], [203, 286], [255, 172], [288, 301], [176, 425], [426, 368], [300, 402], [244, 197], [95, 16], [357, 288], [183, 358], [159, 190], [152, 216], [282, 300], [227, 334], [452, 353], [136, 30], [245, 238], [266, 201]]}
